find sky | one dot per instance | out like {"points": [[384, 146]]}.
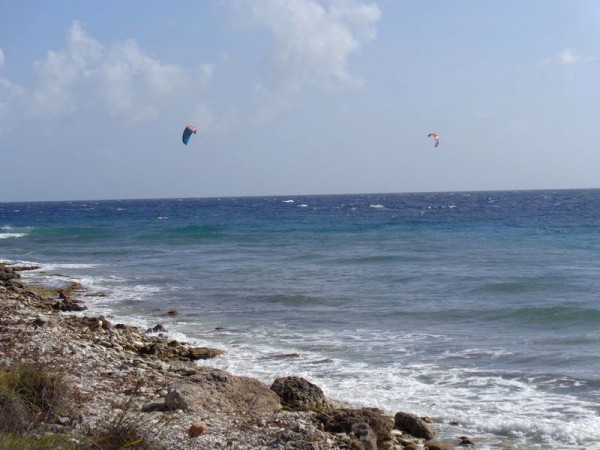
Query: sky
{"points": [[296, 97]]}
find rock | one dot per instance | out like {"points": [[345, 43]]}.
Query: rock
{"points": [[438, 445], [172, 313], [41, 320], [153, 407], [7, 274], [196, 429], [68, 304], [342, 419], [465, 441], [296, 393], [25, 268], [413, 425], [365, 435], [159, 328], [214, 390], [196, 353]]}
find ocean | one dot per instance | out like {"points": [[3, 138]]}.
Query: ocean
{"points": [[478, 309]]}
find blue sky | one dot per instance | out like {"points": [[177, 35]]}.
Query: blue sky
{"points": [[296, 97]]}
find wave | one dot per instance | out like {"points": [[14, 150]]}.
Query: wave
{"points": [[549, 315], [81, 234], [11, 235], [9, 232]]}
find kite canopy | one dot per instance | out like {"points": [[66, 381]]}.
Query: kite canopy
{"points": [[187, 133], [436, 137]]}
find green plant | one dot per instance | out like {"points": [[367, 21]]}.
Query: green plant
{"points": [[30, 394]]}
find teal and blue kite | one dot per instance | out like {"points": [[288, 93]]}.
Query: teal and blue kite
{"points": [[187, 133]]}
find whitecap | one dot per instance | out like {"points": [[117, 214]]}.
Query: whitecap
{"points": [[11, 235]]}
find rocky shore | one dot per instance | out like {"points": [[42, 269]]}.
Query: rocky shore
{"points": [[117, 371]]}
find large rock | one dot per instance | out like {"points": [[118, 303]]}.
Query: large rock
{"points": [[213, 390], [341, 421], [414, 426], [299, 394], [196, 353], [438, 445], [6, 274], [365, 435]]}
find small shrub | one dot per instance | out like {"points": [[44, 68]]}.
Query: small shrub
{"points": [[30, 394], [128, 428], [12, 442]]}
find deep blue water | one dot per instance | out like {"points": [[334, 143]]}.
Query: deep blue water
{"points": [[481, 307]]}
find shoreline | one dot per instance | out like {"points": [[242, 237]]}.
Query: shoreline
{"points": [[116, 364]]}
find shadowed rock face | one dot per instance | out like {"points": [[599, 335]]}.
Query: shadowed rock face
{"points": [[296, 393], [342, 421], [413, 425], [214, 390]]}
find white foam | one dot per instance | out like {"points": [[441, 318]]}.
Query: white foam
{"points": [[11, 235], [69, 266], [288, 201], [377, 206], [484, 403]]}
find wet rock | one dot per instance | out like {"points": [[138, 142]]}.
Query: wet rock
{"points": [[159, 328], [196, 353], [67, 304], [296, 393], [6, 274], [413, 425], [172, 313], [438, 445], [341, 420], [465, 441]]}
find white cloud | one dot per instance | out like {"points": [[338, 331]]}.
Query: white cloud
{"points": [[118, 81], [313, 41], [567, 58]]}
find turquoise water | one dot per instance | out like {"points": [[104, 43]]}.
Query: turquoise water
{"points": [[480, 308]]}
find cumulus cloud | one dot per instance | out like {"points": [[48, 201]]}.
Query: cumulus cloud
{"points": [[312, 42], [118, 80]]}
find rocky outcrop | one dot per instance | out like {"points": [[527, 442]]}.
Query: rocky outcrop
{"points": [[343, 419], [6, 274], [365, 435], [438, 445], [196, 353], [413, 425], [298, 394], [214, 390]]}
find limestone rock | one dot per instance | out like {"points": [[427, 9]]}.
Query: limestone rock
{"points": [[299, 394], [213, 390], [438, 445], [196, 353], [341, 420], [365, 435], [413, 425]]}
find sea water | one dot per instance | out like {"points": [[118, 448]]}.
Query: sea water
{"points": [[478, 309]]}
